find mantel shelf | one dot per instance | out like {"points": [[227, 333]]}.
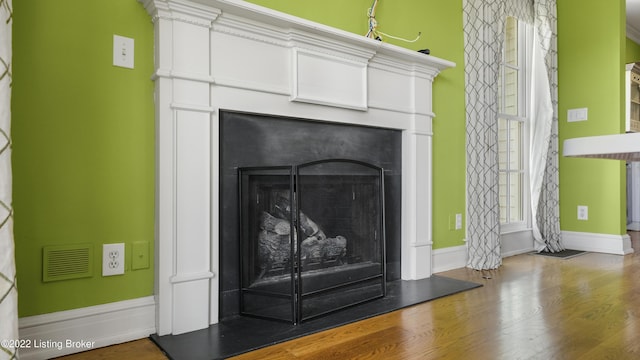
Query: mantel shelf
{"points": [[249, 11]]}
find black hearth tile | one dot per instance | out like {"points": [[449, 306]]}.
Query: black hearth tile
{"points": [[242, 334]]}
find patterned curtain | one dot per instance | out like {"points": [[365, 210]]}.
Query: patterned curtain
{"points": [[484, 33], [8, 292]]}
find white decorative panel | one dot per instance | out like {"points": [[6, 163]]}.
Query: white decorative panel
{"points": [[390, 90], [250, 64], [422, 96], [190, 306], [422, 266], [189, 57], [193, 184], [422, 124], [328, 80], [423, 189], [190, 92]]}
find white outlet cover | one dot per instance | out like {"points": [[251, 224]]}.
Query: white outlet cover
{"points": [[112, 259], [123, 51], [458, 221], [583, 212]]}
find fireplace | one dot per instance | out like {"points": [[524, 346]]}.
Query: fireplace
{"points": [[216, 57]]}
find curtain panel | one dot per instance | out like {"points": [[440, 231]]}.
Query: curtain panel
{"points": [[483, 22], [8, 292], [547, 213]]}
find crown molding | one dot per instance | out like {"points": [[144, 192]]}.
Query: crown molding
{"points": [[633, 34]]}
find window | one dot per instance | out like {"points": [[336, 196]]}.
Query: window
{"points": [[513, 113]]}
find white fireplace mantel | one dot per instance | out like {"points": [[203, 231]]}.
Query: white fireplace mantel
{"points": [[232, 55]]}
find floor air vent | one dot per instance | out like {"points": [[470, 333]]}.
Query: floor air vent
{"points": [[64, 262]]}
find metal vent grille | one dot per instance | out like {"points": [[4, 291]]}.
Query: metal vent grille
{"points": [[64, 262]]}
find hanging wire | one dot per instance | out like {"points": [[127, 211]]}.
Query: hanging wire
{"points": [[399, 38], [373, 24], [374, 33]]}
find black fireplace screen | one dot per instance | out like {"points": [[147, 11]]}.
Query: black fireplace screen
{"points": [[312, 238]]}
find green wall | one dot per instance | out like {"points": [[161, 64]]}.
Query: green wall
{"points": [[441, 25], [591, 74], [632, 51], [83, 145]]}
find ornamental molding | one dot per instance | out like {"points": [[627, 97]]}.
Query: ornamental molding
{"points": [[180, 10]]}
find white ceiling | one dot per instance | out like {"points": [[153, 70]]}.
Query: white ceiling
{"points": [[633, 20]]}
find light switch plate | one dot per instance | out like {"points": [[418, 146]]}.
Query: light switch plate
{"points": [[123, 51], [140, 255]]}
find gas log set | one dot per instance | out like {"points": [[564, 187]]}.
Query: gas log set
{"points": [[275, 241]]}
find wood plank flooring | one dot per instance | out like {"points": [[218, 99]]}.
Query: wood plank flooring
{"points": [[533, 307], [143, 349]]}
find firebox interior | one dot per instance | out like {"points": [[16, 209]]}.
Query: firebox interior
{"points": [[312, 238]]}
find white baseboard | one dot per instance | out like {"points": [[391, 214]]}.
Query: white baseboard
{"points": [[449, 258], [522, 242], [602, 243], [456, 257], [67, 332], [516, 243]]}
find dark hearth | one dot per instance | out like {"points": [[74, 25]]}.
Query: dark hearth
{"points": [[239, 334], [312, 238]]}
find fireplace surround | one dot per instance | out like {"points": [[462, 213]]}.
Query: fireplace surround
{"points": [[215, 55]]}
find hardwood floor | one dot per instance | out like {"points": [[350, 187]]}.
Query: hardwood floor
{"points": [[143, 349], [533, 307]]}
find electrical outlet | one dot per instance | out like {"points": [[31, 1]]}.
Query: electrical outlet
{"points": [[583, 212], [458, 221], [112, 259]]}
